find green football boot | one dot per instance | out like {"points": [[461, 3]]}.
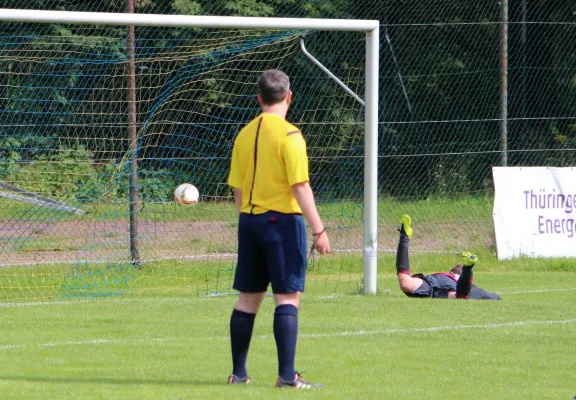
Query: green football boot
{"points": [[406, 225], [469, 259]]}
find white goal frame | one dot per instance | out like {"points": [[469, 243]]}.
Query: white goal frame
{"points": [[370, 27]]}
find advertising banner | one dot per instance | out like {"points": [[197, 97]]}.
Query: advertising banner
{"points": [[534, 211]]}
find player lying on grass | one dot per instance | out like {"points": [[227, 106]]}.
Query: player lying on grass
{"points": [[457, 284], [269, 174]]}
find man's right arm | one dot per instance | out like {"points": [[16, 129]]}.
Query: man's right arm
{"points": [[235, 179], [238, 200]]}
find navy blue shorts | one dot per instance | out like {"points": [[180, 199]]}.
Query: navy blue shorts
{"points": [[438, 286], [271, 249]]}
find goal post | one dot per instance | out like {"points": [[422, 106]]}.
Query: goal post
{"points": [[371, 82], [371, 162]]}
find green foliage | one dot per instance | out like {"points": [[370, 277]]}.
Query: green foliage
{"points": [[157, 186], [72, 174], [66, 174], [249, 8], [186, 7], [9, 158], [329, 9], [450, 179]]}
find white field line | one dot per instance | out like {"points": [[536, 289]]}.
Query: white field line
{"points": [[85, 342], [305, 335], [41, 303], [433, 329], [119, 300]]}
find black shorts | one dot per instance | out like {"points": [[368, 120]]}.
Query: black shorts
{"points": [[438, 286], [271, 249], [435, 286]]}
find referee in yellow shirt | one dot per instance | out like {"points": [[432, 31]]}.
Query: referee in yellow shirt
{"points": [[269, 175]]}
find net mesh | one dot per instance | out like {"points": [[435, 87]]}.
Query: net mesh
{"points": [[67, 178], [65, 134]]}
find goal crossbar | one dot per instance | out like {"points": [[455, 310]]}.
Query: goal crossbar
{"points": [[197, 21], [370, 27]]}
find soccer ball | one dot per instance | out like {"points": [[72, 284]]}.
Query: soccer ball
{"points": [[186, 194]]}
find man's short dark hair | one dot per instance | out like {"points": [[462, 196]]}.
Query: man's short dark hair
{"points": [[457, 269], [274, 86]]}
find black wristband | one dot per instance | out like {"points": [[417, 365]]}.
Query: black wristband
{"points": [[319, 233]]}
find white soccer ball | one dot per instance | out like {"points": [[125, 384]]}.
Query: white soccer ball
{"points": [[186, 194]]}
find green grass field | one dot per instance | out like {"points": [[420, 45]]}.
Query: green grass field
{"points": [[163, 338], [361, 347]]}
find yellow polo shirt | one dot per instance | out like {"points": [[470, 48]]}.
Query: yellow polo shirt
{"points": [[269, 156]]}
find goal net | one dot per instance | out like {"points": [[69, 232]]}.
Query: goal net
{"points": [[99, 126]]}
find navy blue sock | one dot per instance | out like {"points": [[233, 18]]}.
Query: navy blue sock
{"points": [[241, 326], [464, 284], [286, 335], [402, 258]]}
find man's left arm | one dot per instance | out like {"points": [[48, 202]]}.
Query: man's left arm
{"points": [[409, 284]]}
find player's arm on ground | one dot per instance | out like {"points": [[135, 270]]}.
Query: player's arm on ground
{"points": [[409, 284], [296, 160]]}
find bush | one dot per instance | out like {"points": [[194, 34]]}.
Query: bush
{"points": [[66, 174]]}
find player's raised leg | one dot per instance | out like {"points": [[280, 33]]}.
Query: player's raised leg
{"points": [[407, 283], [402, 256], [464, 284]]}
